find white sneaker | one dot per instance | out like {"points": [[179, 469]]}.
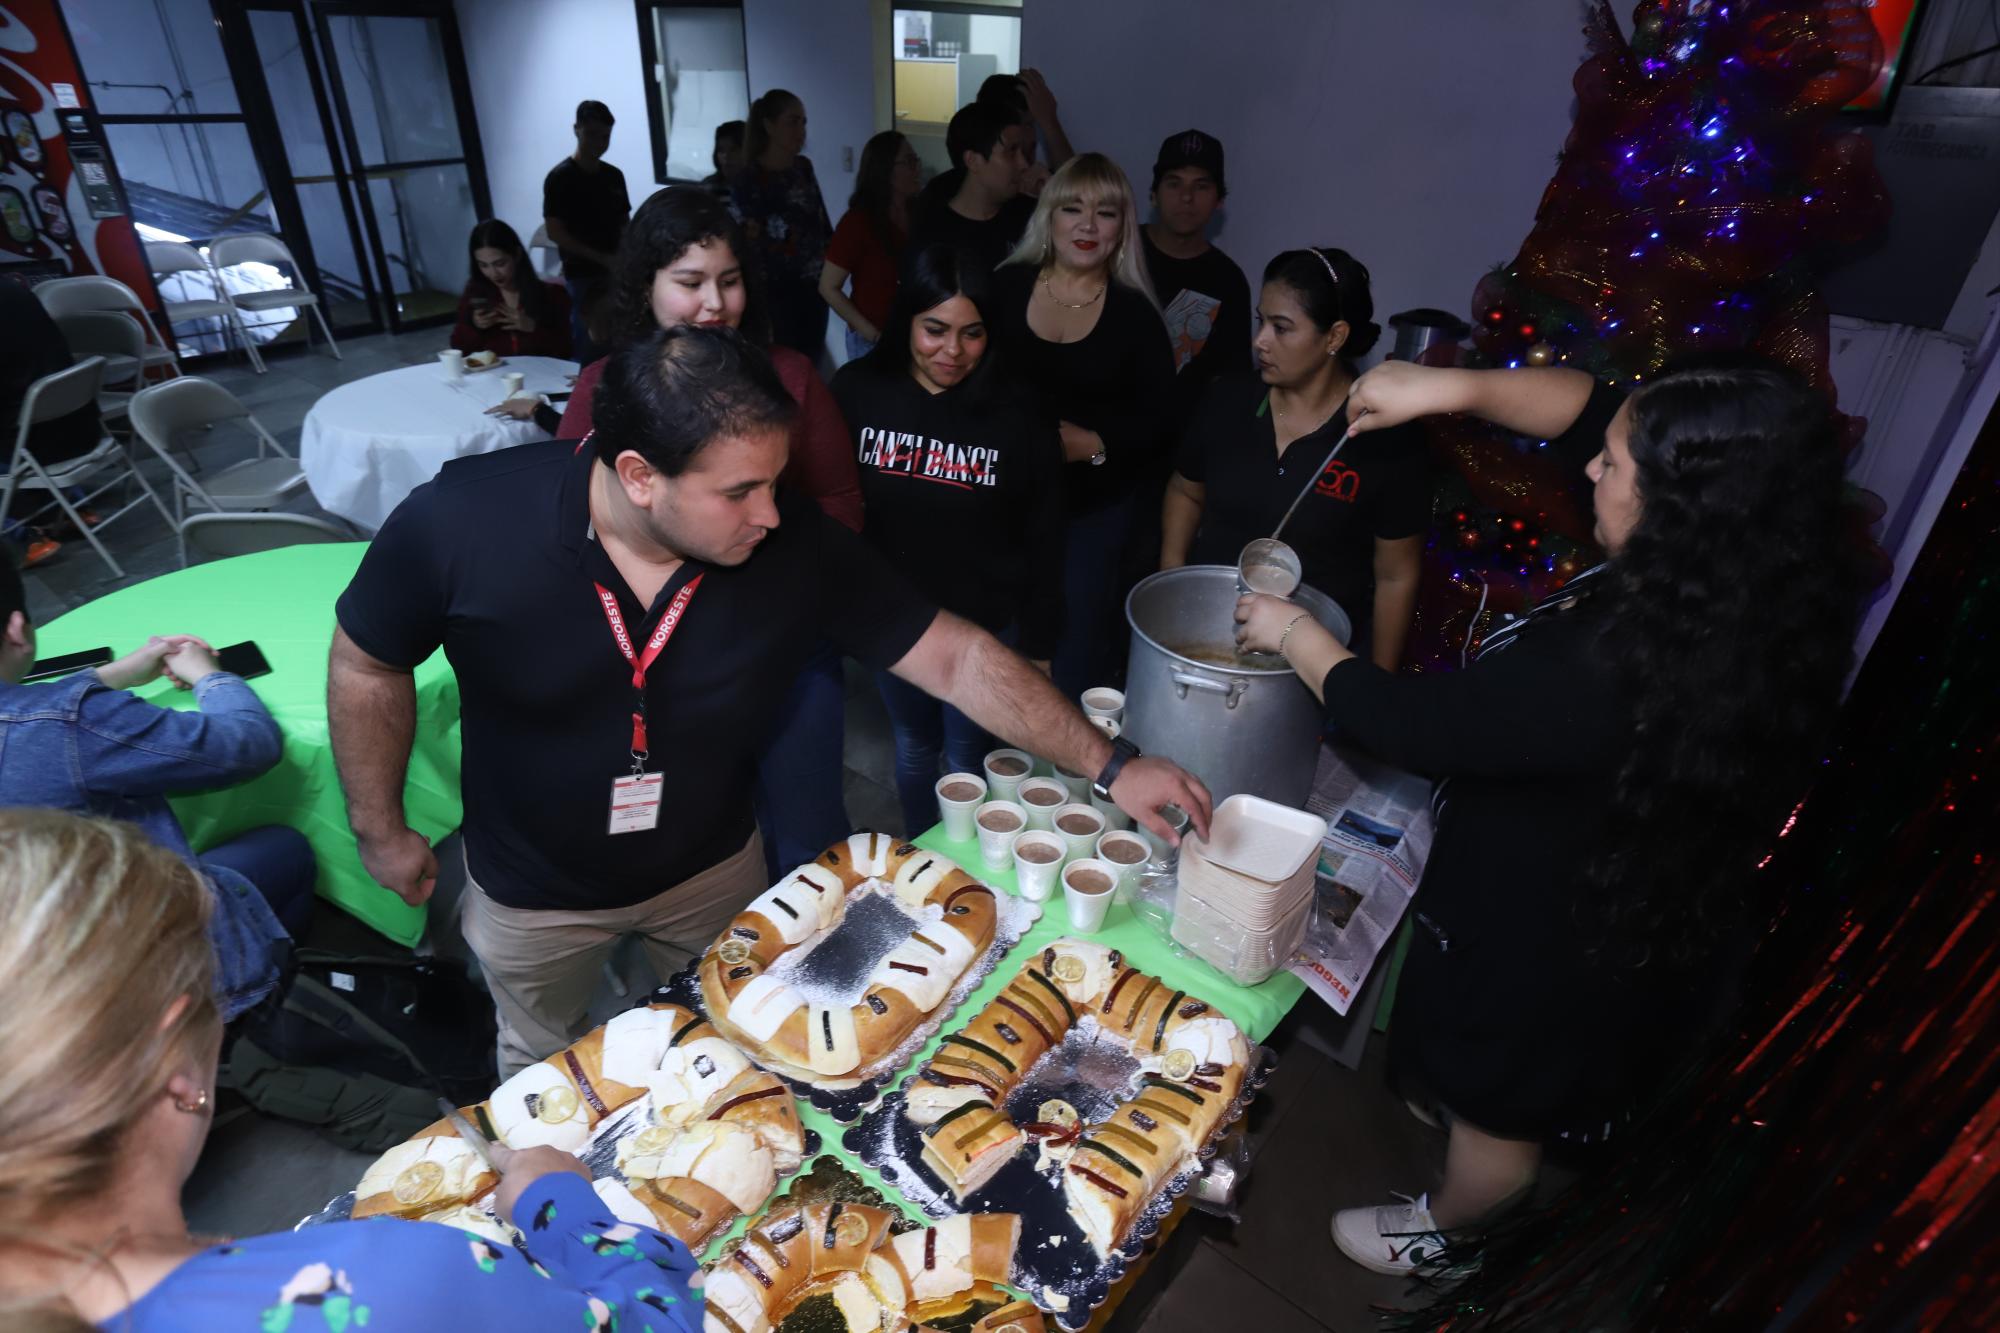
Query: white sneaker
{"points": [[1393, 1239]]}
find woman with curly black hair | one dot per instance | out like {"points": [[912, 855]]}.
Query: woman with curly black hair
{"points": [[1608, 768]]}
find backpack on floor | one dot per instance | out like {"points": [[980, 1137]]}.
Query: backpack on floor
{"points": [[361, 1048]]}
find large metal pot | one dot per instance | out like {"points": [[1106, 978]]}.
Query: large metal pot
{"points": [[1239, 724]]}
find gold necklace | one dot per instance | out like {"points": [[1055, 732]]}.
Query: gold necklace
{"points": [[1073, 305]]}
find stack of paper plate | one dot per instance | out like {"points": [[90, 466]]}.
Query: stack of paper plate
{"points": [[1246, 891]]}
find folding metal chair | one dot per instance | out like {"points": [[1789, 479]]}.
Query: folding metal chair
{"points": [[167, 258], [161, 412], [221, 535], [91, 292], [227, 252], [49, 398], [119, 341]]}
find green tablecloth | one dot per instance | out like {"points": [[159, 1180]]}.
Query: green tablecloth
{"points": [[284, 601], [1256, 1009]]}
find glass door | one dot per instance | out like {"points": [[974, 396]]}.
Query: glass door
{"points": [[400, 94], [279, 78]]}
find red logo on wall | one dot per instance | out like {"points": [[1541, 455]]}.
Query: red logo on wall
{"points": [[1339, 482]]}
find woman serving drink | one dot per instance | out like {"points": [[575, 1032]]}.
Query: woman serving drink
{"points": [[1666, 703]]}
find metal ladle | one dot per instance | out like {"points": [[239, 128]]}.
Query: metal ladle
{"points": [[1268, 553]]}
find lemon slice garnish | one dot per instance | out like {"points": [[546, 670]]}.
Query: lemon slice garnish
{"points": [[417, 1183], [1068, 968], [557, 1105], [1179, 1066], [733, 952], [650, 1142], [1056, 1111]]}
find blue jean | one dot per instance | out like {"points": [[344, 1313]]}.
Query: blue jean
{"points": [[1092, 646], [279, 864], [73, 744], [927, 729], [857, 346], [798, 798]]}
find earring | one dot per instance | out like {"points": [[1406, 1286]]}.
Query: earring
{"points": [[200, 1102]]}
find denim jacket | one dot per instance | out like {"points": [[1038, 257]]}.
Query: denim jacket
{"points": [[74, 744]]}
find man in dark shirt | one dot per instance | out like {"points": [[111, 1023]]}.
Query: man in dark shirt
{"points": [[611, 720], [978, 206], [584, 208], [1202, 292]]}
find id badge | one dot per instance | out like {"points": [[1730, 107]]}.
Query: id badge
{"points": [[635, 802]]}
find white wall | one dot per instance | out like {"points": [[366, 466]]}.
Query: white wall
{"points": [[1418, 135], [532, 61], [823, 51]]}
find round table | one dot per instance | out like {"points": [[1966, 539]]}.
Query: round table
{"points": [[368, 444], [284, 601]]}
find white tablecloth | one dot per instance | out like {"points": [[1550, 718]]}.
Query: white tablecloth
{"points": [[368, 444]]}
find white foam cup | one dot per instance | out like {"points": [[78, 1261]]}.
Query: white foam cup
{"points": [[1079, 845], [1004, 786], [1087, 907], [958, 813], [1042, 815], [996, 846], [1037, 879]]}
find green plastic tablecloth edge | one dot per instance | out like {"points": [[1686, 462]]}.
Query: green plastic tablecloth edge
{"points": [[268, 597]]}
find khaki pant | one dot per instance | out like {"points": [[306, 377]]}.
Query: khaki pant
{"points": [[544, 966]]}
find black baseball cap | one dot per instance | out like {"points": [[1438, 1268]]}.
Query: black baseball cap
{"points": [[1191, 148]]}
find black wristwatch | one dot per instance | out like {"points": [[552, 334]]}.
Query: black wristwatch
{"points": [[1122, 752]]}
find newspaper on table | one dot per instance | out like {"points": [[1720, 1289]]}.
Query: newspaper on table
{"points": [[1378, 834]]}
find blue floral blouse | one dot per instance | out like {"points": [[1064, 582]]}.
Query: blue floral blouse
{"points": [[589, 1273]]}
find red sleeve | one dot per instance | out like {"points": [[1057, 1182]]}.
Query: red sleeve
{"points": [[849, 245], [822, 461], [576, 413], [551, 336]]}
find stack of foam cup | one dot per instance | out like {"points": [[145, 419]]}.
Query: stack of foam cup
{"points": [[1246, 892]]}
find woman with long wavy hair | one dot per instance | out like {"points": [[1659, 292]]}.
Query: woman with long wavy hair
{"points": [[1608, 768], [1081, 327]]}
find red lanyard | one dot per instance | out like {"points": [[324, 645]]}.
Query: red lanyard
{"points": [[669, 622]]}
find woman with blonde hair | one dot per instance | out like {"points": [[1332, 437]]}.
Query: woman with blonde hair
{"points": [[110, 1036], [1080, 325]]}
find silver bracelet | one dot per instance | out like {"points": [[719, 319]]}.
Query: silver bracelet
{"points": [[1303, 615]]}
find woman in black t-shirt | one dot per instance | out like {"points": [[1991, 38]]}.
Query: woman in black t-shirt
{"points": [[1255, 442], [1082, 330], [963, 489]]}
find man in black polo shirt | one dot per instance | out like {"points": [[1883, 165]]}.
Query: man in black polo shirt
{"points": [[624, 617], [585, 208]]}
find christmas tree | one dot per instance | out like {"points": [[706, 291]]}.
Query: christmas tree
{"points": [[1704, 186]]}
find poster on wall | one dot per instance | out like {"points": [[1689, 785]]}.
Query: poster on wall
{"points": [[61, 211]]}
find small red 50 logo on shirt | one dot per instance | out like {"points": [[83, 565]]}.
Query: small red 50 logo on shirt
{"points": [[1339, 482]]}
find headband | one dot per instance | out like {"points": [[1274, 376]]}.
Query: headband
{"points": [[1329, 265]]}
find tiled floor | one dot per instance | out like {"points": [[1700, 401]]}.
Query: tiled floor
{"points": [[1321, 1135]]}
